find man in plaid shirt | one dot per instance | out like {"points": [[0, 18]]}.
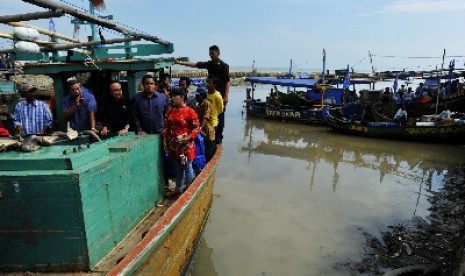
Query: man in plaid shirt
{"points": [[31, 116]]}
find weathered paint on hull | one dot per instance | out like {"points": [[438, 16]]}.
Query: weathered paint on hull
{"points": [[303, 114], [169, 245], [438, 134]]}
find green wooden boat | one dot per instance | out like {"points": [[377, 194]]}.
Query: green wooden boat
{"points": [[426, 132], [98, 208]]}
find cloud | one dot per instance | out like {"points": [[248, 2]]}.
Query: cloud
{"points": [[421, 6]]}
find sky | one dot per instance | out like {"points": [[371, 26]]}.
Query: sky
{"points": [[399, 34]]}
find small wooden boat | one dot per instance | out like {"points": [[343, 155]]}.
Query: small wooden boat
{"points": [[310, 106], [427, 132]]}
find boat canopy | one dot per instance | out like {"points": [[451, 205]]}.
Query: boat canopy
{"points": [[283, 82]]}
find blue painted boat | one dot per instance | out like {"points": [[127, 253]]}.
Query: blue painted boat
{"points": [[451, 132], [309, 106]]}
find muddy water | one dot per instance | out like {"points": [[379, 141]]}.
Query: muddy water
{"points": [[294, 199]]}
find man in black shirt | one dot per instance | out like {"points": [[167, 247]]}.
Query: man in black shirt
{"points": [[219, 70], [116, 112]]}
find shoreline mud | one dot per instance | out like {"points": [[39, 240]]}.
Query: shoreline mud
{"points": [[433, 247]]}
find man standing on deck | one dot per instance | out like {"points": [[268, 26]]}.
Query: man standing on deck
{"points": [[31, 116], [219, 70], [148, 108], [79, 107]]}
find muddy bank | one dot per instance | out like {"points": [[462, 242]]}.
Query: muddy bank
{"points": [[435, 245]]}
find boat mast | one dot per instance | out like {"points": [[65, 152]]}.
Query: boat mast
{"points": [[439, 83], [324, 66], [290, 76]]}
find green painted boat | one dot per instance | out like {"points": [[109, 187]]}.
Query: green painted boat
{"points": [[87, 207], [423, 132]]}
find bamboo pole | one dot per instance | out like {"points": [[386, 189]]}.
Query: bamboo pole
{"points": [[44, 31], [48, 4], [6, 35], [56, 47], [31, 16]]}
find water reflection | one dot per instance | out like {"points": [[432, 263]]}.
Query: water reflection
{"points": [[420, 162], [204, 256], [295, 199]]}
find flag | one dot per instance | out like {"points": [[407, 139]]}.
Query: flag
{"points": [[77, 27], [346, 82], [290, 68], [396, 80], [51, 25], [99, 4]]}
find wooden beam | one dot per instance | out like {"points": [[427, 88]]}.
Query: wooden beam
{"points": [[6, 35], [44, 31], [31, 16], [50, 46], [49, 4], [56, 47]]}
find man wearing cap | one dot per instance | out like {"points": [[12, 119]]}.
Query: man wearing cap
{"points": [[31, 116], [79, 107]]}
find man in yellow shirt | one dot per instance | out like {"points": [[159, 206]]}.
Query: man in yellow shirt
{"points": [[215, 99]]}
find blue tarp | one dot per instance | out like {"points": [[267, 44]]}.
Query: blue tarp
{"points": [[283, 82]]}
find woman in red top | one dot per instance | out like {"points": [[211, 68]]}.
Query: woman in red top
{"points": [[181, 128]]}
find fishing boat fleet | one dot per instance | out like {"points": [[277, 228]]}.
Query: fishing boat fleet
{"points": [[85, 206], [335, 102]]}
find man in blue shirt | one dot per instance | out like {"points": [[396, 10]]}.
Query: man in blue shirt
{"points": [[79, 107], [31, 116], [148, 109]]}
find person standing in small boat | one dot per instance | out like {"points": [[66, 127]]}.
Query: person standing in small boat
{"points": [[408, 96], [399, 95], [116, 114], [218, 69], [31, 116], [401, 116], [148, 108], [79, 107], [386, 96], [181, 129], [419, 90]]}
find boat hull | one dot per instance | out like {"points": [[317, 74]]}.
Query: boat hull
{"points": [[162, 243], [169, 245], [313, 116], [381, 112], [438, 134]]}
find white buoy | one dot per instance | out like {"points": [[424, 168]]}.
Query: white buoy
{"points": [[27, 34], [27, 47]]}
